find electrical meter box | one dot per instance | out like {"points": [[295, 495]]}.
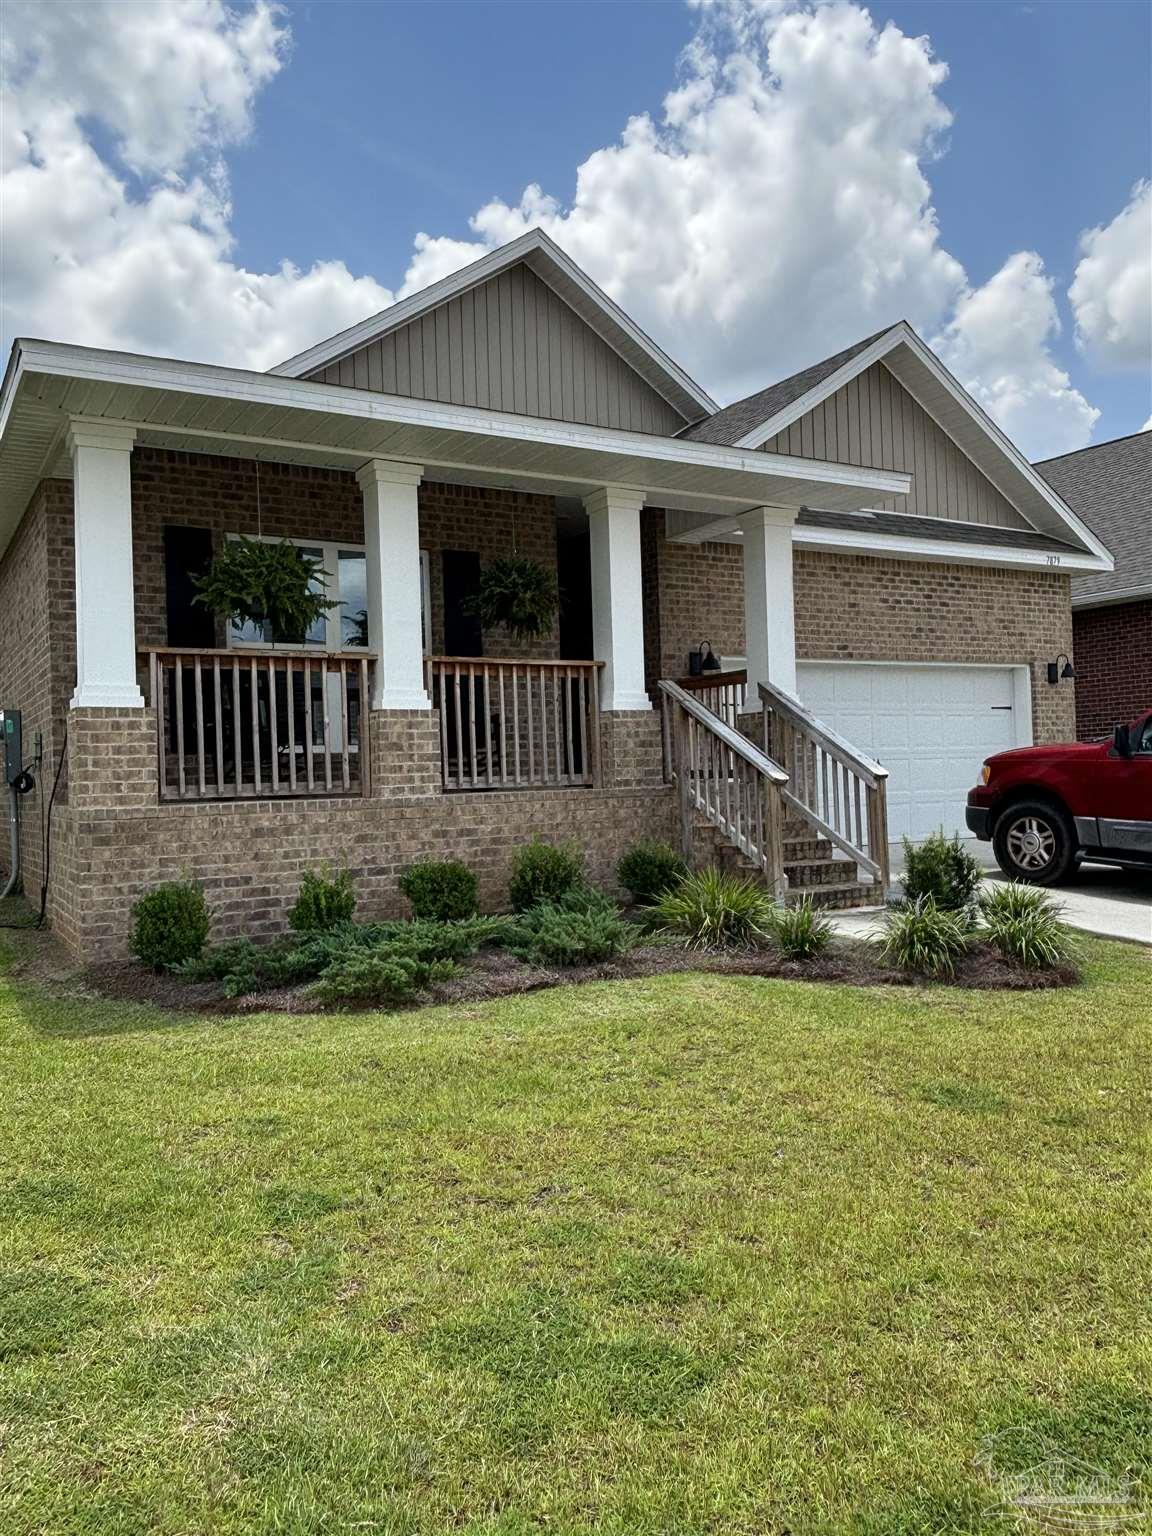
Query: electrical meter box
{"points": [[12, 739]]}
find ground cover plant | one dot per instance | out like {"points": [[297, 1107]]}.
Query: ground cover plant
{"points": [[704, 1254]]}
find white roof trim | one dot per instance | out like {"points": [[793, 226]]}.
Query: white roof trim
{"points": [[903, 336], [886, 546], [549, 263]]}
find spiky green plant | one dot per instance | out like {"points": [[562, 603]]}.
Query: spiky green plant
{"points": [[800, 932], [922, 937], [713, 910], [1023, 923]]}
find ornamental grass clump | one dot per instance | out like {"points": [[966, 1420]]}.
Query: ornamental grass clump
{"points": [[170, 925], [650, 868], [1023, 923], [713, 910], [800, 932], [925, 938]]}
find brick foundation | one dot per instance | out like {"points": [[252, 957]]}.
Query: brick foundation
{"points": [[405, 754], [631, 749]]}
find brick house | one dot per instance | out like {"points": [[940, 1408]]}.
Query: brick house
{"points": [[1110, 486], [883, 576]]}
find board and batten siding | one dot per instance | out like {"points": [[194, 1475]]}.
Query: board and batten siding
{"points": [[873, 421], [510, 344]]}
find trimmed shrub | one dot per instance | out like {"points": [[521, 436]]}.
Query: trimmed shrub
{"points": [[170, 925], [445, 941], [379, 976], [324, 902], [711, 910], [441, 891], [544, 872], [941, 869], [553, 935], [925, 938], [650, 868], [1023, 923], [800, 932]]}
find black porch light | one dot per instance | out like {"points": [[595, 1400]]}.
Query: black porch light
{"points": [[1058, 675]]}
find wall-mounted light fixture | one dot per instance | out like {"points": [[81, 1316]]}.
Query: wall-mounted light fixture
{"points": [[1058, 675]]}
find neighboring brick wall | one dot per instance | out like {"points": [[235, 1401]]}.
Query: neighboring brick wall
{"points": [[863, 609], [300, 503], [1112, 653]]}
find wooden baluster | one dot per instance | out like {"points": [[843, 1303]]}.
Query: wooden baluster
{"points": [[182, 787], [503, 732], [309, 731], [471, 726], [345, 767], [582, 716], [218, 703], [570, 726], [441, 676], [459, 727], [543, 727], [683, 730], [237, 751], [159, 688], [557, 724], [834, 769], [273, 731], [485, 675], [198, 700], [516, 723], [364, 726], [290, 707], [531, 725], [254, 702], [325, 717]]}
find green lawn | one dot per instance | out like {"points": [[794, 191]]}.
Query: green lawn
{"points": [[688, 1255]]}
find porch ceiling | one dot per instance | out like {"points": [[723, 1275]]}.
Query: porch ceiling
{"points": [[202, 408]]}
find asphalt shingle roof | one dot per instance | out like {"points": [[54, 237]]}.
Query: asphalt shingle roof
{"points": [[1110, 488], [902, 526], [735, 421]]}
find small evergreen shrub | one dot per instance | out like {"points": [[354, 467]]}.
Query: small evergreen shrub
{"points": [[711, 910], [544, 872], [426, 940], [942, 870], [554, 935], [379, 976], [648, 869], [925, 938], [324, 902], [170, 925], [800, 932], [442, 891], [1023, 923]]}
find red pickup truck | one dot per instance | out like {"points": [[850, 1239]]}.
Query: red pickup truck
{"points": [[1045, 808]]}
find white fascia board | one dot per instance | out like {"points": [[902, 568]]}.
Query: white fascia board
{"points": [[902, 334], [534, 242], [944, 551], [1110, 599], [262, 389]]}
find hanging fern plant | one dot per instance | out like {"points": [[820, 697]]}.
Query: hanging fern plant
{"points": [[274, 585], [518, 593]]}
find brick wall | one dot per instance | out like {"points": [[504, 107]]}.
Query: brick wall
{"points": [[692, 592], [1112, 653]]}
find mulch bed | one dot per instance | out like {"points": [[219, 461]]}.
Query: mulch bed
{"points": [[494, 973]]}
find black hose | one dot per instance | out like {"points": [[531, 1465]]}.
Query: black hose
{"points": [[46, 840]]}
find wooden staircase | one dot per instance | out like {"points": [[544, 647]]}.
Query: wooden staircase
{"points": [[810, 822]]}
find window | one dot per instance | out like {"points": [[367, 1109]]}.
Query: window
{"points": [[344, 627]]}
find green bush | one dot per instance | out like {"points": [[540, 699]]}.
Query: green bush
{"points": [[543, 872], [712, 910], [555, 935], [925, 938], [648, 869], [379, 976], [170, 925], [445, 941], [443, 891], [323, 903], [1023, 923], [800, 932], [941, 869]]}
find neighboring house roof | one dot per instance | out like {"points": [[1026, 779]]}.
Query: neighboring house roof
{"points": [[734, 422], [925, 377], [1110, 487], [549, 263]]}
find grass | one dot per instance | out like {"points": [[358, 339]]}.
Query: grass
{"points": [[677, 1257]]}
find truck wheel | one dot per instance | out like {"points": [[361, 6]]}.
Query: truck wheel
{"points": [[1034, 842]]}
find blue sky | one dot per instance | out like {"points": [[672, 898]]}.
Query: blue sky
{"points": [[349, 128]]}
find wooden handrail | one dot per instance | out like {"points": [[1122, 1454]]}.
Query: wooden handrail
{"points": [[835, 745], [731, 737], [507, 661], [276, 652], [703, 680]]}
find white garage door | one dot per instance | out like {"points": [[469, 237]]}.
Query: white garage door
{"points": [[931, 727]]}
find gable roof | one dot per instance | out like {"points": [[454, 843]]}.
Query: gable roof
{"points": [[1110, 486], [549, 263], [734, 422], [926, 379]]}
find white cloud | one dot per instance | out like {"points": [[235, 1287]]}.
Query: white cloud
{"points": [[132, 247], [997, 345], [1111, 292]]}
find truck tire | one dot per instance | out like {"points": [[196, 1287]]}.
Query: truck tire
{"points": [[1034, 841]]}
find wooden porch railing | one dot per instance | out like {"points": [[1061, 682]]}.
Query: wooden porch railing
{"points": [[517, 724], [832, 785], [236, 724], [721, 692], [720, 774]]}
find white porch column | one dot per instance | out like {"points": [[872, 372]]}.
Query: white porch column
{"points": [[105, 595], [769, 616], [617, 596], [392, 550]]}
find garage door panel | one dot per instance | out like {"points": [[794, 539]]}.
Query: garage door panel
{"points": [[931, 727]]}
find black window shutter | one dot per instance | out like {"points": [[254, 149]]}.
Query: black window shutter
{"points": [[187, 553], [463, 635]]}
